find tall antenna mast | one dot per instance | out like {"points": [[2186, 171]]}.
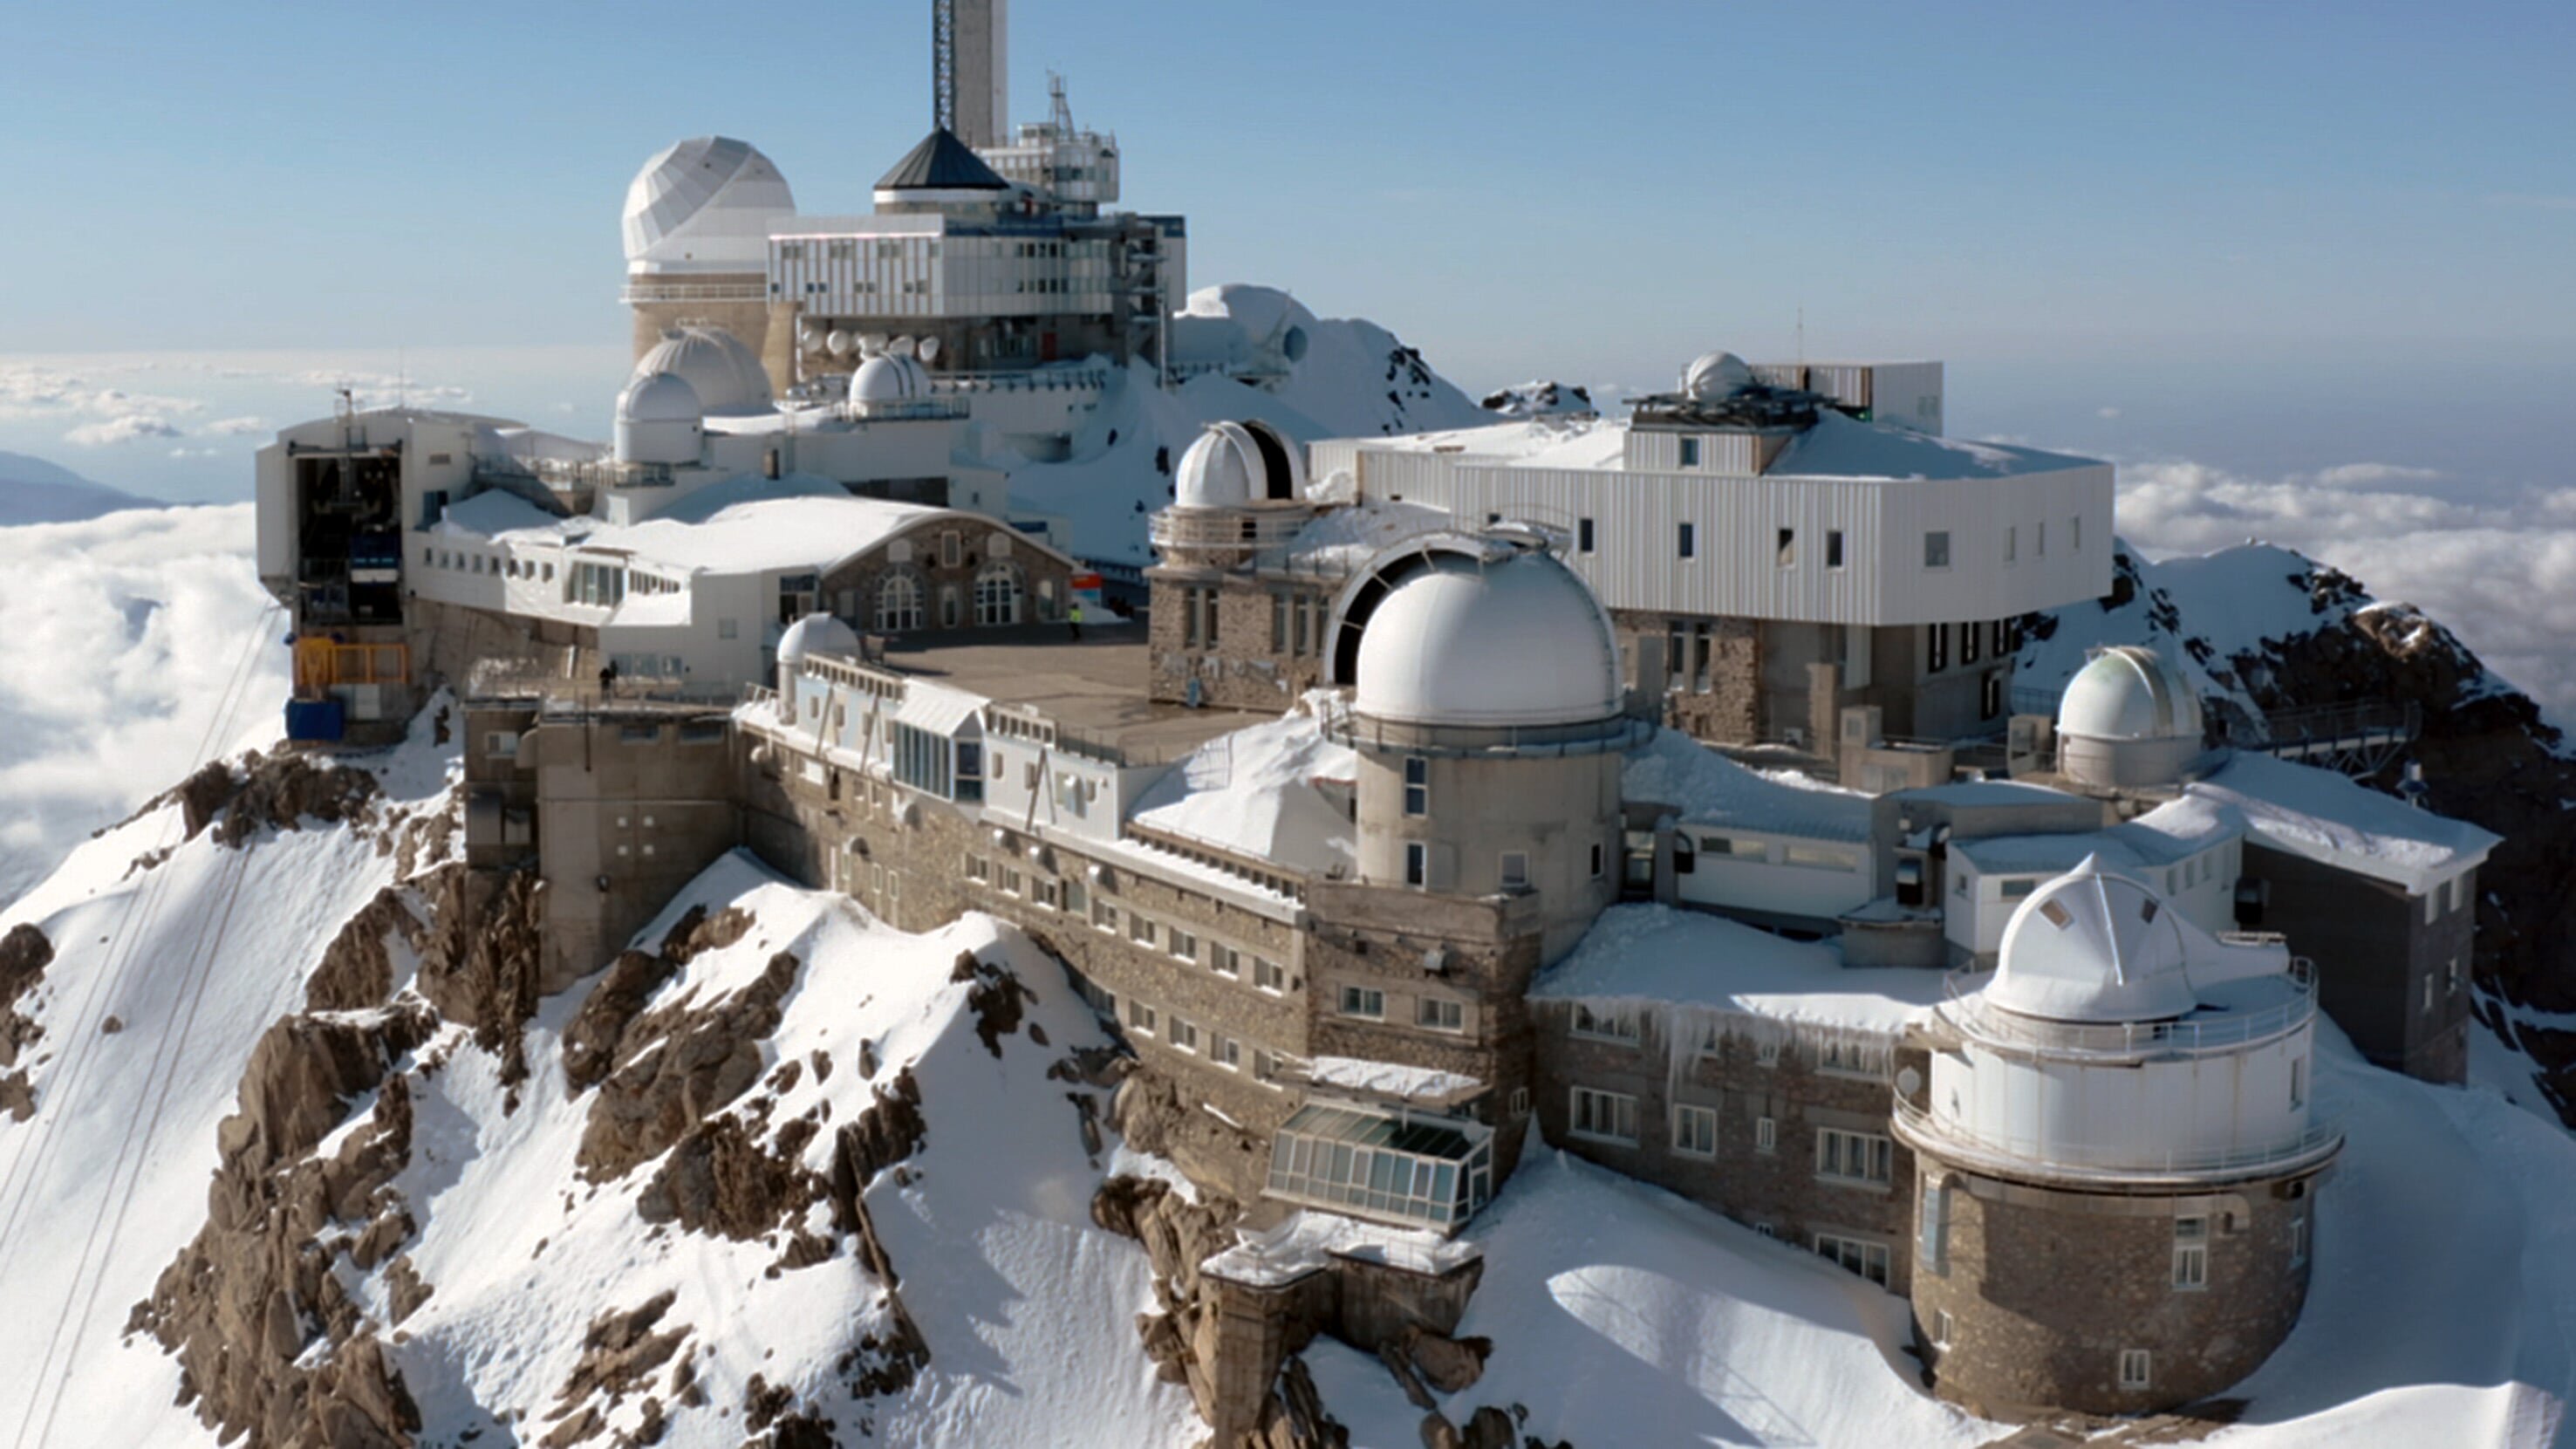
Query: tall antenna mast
{"points": [[943, 64]]}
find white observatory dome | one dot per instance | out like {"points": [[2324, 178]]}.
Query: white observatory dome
{"points": [[1235, 465], [1714, 375], [1511, 640], [889, 377], [2129, 693], [659, 420], [729, 379], [2091, 947], [704, 205], [816, 634]]}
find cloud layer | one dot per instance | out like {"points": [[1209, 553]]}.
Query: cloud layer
{"points": [[2495, 561], [124, 635]]}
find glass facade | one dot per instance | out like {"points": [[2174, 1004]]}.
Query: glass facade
{"points": [[1410, 1172]]}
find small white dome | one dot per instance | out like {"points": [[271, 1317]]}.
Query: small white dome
{"points": [[728, 377], [660, 397], [2093, 947], [889, 377], [2129, 693], [1236, 465], [1514, 639], [704, 205], [1714, 375], [816, 634]]}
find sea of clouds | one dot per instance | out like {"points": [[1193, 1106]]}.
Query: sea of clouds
{"points": [[120, 640]]}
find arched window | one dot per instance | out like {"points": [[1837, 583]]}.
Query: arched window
{"points": [[997, 593], [898, 603]]}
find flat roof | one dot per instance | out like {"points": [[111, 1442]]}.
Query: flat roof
{"points": [[1095, 687]]}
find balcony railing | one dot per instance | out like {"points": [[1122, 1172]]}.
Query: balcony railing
{"points": [[1968, 1007], [649, 291], [2127, 1162], [1248, 529]]}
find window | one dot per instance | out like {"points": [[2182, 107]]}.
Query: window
{"points": [[1605, 1023], [1516, 870], [1694, 1130], [1434, 1014], [1766, 1134], [1936, 649], [2428, 994], [1686, 542], [1856, 1157], [951, 548], [1865, 1258], [1990, 692], [1936, 549], [2298, 1082], [997, 594], [1044, 892], [1269, 975], [1417, 863], [1224, 960], [2299, 1241], [1583, 535], [1941, 1328], [1365, 1002], [977, 868], [1226, 1052], [2011, 537], [1184, 1035], [1970, 636], [1077, 898], [1519, 1103], [2134, 1364], [1105, 916], [899, 604], [728, 629], [2191, 1254], [1603, 1116], [1598, 853], [1140, 1018], [501, 744], [2075, 526], [2454, 977], [1690, 452], [1766, 1054], [1183, 944], [1932, 1238], [1140, 930], [1417, 786], [1281, 604], [1785, 551], [1842, 1058], [2003, 638]]}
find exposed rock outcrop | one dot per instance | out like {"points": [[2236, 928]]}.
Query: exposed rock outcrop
{"points": [[677, 1066], [591, 1041], [24, 955], [480, 957]]}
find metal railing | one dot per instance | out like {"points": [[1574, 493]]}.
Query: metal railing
{"points": [[1245, 530], [1618, 732], [1956, 1141], [1968, 1008], [642, 291]]}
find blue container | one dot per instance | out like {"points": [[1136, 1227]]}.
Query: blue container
{"points": [[316, 719]]}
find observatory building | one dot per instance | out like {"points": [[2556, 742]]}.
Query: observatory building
{"points": [[984, 251]]}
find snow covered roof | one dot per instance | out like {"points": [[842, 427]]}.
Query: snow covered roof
{"points": [[1661, 955], [1355, 534], [725, 374], [1308, 1240], [1254, 792], [942, 162], [2093, 946], [1704, 787], [2331, 819], [1843, 447], [2169, 833], [1513, 639], [1420, 1085]]}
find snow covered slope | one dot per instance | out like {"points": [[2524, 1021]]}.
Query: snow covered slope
{"points": [[1351, 378]]}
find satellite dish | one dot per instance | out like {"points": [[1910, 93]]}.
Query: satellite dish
{"points": [[929, 348], [809, 334], [873, 344], [837, 343], [902, 346]]}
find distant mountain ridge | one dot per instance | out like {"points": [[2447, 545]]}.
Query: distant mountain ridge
{"points": [[35, 491]]}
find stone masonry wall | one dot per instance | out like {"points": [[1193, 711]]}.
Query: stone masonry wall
{"points": [[1729, 710], [1241, 671], [1778, 1189], [2040, 1290]]}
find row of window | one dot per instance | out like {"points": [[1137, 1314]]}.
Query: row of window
{"points": [[1687, 849], [1179, 942], [2001, 636], [1862, 1159], [1296, 624], [1837, 1056], [1431, 1013], [1183, 1035], [1784, 541], [1512, 867], [1198, 617]]}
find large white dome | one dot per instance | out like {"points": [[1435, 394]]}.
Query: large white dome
{"points": [[1513, 638], [2093, 947], [1235, 465], [816, 634], [1714, 375], [704, 205], [2129, 693], [727, 377]]}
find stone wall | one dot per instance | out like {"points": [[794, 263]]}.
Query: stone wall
{"points": [[851, 591], [912, 859], [1778, 1189], [1729, 709], [1242, 670], [2038, 1292]]}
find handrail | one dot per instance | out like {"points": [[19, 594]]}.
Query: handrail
{"points": [[1952, 1139], [1967, 1006]]}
